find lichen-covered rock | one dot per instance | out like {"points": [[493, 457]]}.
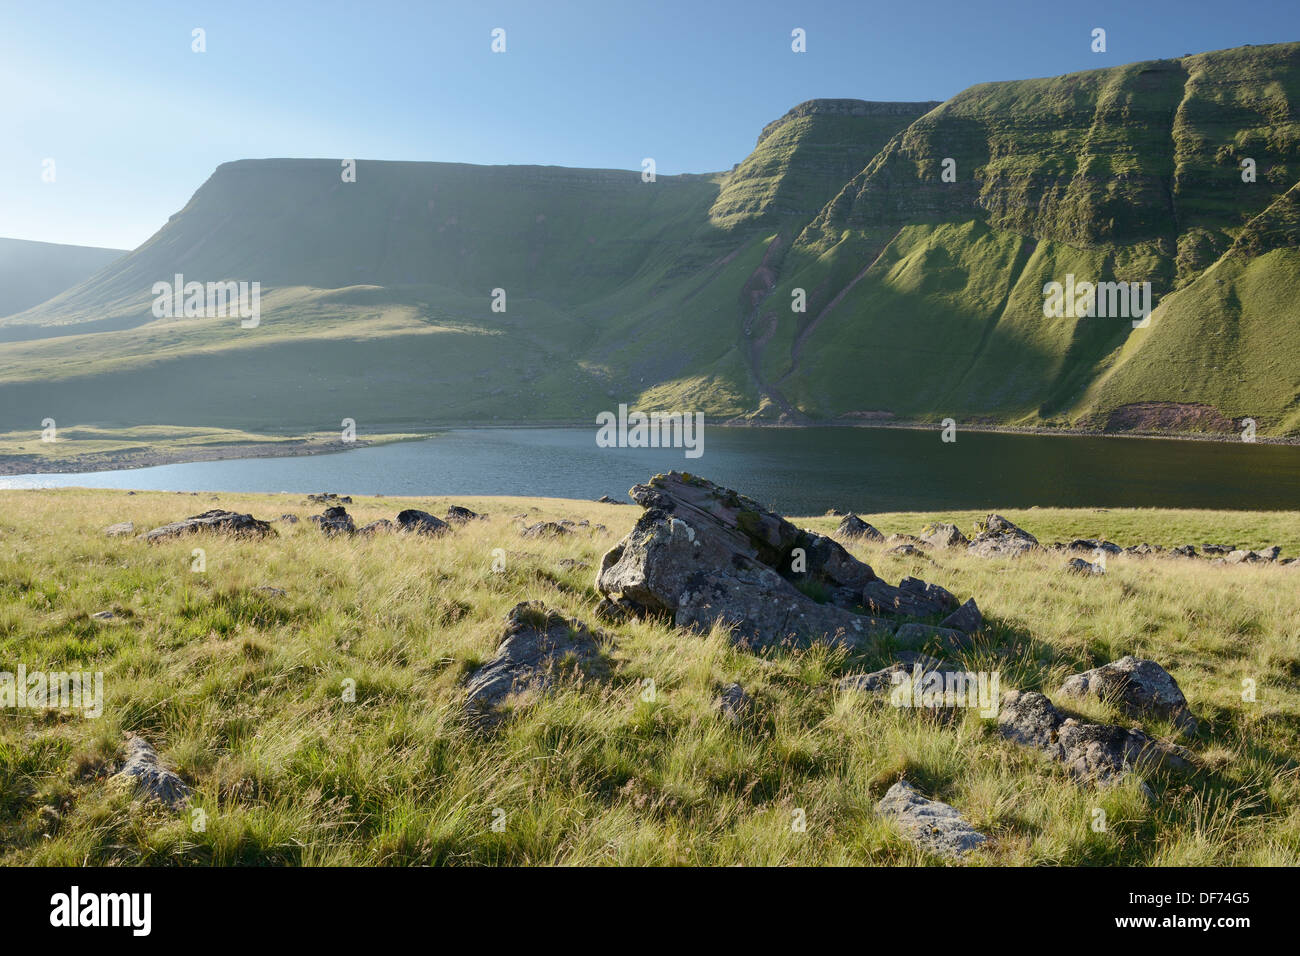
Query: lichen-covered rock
{"points": [[941, 535], [537, 646], [215, 522], [1097, 753], [930, 824], [151, 779], [997, 537], [854, 527], [1140, 688]]}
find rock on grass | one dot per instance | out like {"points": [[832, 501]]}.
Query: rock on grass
{"points": [[930, 824], [216, 521], [151, 779], [1140, 688]]}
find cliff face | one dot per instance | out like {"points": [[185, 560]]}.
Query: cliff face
{"points": [[922, 292]]}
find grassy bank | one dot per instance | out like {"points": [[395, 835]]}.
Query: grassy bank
{"points": [[241, 691]]}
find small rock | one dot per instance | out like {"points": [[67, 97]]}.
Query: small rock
{"points": [[545, 529], [573, 564], [103, 616], [458, 515], [906, 550], [941, 535], [376, 527], [997, 537], [151, 778], [335, 521], [931, 825], [1140, 688], [120, 530], [733, 703], [1083, 566], [289, 519]]}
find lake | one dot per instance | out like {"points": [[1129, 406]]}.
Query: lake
{"points": [[796, 471]]}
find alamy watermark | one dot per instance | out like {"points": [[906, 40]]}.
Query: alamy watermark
{"points": [[215, 300], [651, 430], [55, 690], [1079, 300], [934, 689]]}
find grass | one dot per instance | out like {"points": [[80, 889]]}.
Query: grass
{"points": [[241, 691]]}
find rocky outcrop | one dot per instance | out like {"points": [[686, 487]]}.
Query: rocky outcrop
{"points": [[214, 522], [997, 537], [1096, 753], [1140, 688], [537, 645], [931, 825], [702, 555], [152, 780]]}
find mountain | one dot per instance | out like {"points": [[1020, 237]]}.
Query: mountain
{"points": [[924, 297], [31, 272]]}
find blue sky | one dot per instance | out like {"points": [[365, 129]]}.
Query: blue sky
{"points": [[135, 121]]}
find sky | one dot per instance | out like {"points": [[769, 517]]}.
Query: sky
{"points": [[135, 120]]}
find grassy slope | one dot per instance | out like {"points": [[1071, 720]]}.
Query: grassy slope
{"points": [[241, 692], [31, 272], [377, 303]]}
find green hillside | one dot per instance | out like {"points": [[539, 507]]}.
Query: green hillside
{"points": [[924, 297], [31, 272]]}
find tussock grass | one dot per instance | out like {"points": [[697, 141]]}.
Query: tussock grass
{"points": [[241, 691]]}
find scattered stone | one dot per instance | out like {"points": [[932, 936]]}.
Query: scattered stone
{"points": [[942, 535], [223, 522], [103, 616], [895, 540], [1083, 566], [458, 515], [1093, 545], [854, 527], [335, 521], [375, 527], [1217, 550], [421, 522], [289, 519], [1144, 550], [154, 781], [966, 618], [906, 550], [1184, 551], [120, 530], [330, 497], [1099, 753], [538, 642], [997, 537], [1140, 688], [931, 825], [545, 529], [1242, 556], [733, 703]]}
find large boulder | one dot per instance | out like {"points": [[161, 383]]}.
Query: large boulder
{"points": [[1140, 688], [702, 555], [537, 645], [995, 536], [1097, 753], [421, 522], [931, 825], [216, 521]]}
